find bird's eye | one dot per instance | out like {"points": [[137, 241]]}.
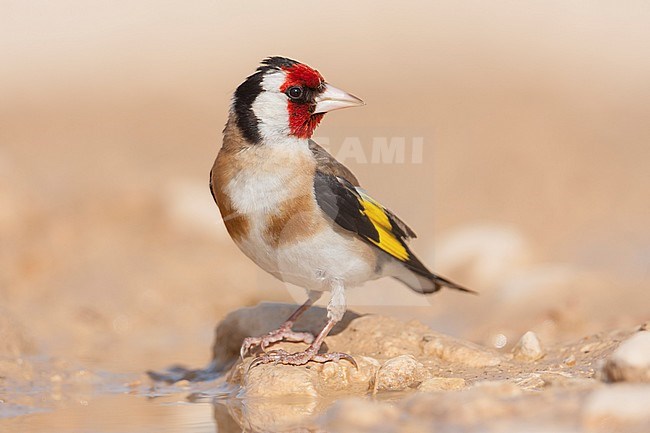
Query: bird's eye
{"points": [[295, 92]]}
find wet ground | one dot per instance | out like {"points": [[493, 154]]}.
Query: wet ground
{"points": [[408, 378]]}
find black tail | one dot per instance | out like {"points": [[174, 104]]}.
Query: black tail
{"points": [[414, 274], [443, 282], [430, 284]]}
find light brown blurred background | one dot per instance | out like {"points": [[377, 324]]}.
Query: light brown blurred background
{"points": [[534, 186]]}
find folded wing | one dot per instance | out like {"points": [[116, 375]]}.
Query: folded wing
{"points": [[339, 195], [354, 210]]}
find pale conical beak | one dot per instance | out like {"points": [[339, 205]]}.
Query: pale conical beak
{"points": [[335, 99]]}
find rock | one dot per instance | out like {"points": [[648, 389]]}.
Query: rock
{"points": [[630, 362], [242, 323], [528, 348], [382, 337], [259, 320], [279, 381], [369, 339], [570, 360], [442, 384], [618, 407], [336, 377], [530, 381], [400, 373], [504, 393], [313, 380], [459, 352], [331, 378]]}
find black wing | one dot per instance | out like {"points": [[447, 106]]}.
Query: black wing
{"points": [[352, 209]]}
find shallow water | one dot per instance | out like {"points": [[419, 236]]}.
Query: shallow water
{"points": [[171, 413], [195, 408], [114, 403], [112, 407], [121, 413]]}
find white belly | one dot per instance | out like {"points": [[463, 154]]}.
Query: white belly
{"points": [[313, 263]]}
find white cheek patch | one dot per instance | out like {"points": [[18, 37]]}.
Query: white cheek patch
{"points": [[273, 117], [270, 108], [273, 81]]}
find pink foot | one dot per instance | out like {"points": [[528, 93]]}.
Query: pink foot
{"points": [[282, 334], [300, 358]]}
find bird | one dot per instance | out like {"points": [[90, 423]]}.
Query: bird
{"points": [[297, 212]]}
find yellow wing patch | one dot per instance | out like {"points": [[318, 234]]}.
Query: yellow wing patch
{"points": [[387, 240]]}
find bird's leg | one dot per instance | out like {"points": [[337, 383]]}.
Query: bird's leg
{"points": [[335, 312], [284, 332]]}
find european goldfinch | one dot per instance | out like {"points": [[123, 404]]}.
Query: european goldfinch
{"points": [[296, 211]]}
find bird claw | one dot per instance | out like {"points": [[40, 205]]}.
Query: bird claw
{"points": [[300, 358], [282, 334], [334, 356]]}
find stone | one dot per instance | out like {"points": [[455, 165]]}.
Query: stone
{"points": [[370, 340], [259, 320], [630, 362], [455, 351], [618, 407], [400, 373], [382, 337], [270, 380], [337, 377], [570, 360], [528, 348]]}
